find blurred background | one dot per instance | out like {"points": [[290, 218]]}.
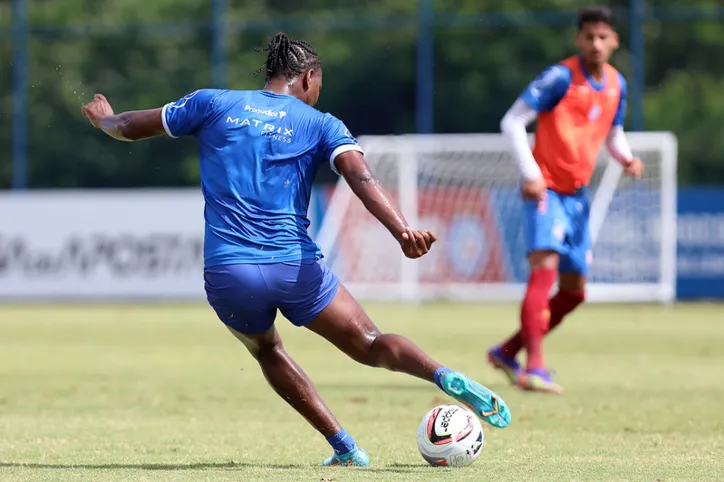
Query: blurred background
{"points": [[391, 67]]}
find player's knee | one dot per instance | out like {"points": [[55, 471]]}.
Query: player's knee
{"points": [[544, 260], [573, 283], [268, 352], [371, 349], [259, 344], [264, 347], [385, 347]]}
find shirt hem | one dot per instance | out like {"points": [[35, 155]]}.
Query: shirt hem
{"points": [[582, 190]]}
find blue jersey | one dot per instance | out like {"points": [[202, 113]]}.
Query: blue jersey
{"points": [[258, 154], [544, 93]]}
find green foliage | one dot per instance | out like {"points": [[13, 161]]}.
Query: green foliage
{"points": [[145, 54]]}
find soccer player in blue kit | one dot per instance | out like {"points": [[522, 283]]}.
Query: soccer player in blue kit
{"points": [[259, 152]]}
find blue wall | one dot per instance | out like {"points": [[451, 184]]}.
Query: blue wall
{"points": [[700, 262]]}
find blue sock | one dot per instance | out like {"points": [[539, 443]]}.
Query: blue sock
{"points": [[439, 374], [342, 443]]}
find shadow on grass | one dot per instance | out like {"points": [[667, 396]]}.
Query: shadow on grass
{"points": [[421, 387], [198, 466], [395, 468]]}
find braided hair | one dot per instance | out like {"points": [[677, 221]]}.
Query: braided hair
{"points": [[287, 58]]}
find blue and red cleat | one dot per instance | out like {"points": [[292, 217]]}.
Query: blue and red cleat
{"points": [[538, 380], [508, 365]]}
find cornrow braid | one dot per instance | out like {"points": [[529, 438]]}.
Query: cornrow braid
{"points": [[287, 58]]}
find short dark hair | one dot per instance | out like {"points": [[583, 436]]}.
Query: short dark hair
{"points": [[287, 58], [594, 14]]}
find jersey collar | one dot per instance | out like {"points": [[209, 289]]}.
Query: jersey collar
{"points": [[595, 84], [269, 93]]}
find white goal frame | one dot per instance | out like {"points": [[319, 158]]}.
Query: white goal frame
{"points": [[408, 288]]}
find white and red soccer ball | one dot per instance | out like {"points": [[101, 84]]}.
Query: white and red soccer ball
{"points": [[450, 436]]}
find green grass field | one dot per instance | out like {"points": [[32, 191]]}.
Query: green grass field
{"points": [[165, 393]]}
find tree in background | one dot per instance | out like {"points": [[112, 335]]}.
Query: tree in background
{"points": [[481, 64]]}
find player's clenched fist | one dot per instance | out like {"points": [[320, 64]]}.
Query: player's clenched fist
{"points": [[416, 243], [634, 168], [97, 109], [534, 189]]}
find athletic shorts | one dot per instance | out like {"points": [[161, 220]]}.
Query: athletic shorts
{"points": [[246, 297], [561, 224]]}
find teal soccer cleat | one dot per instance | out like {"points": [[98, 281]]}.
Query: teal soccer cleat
{"points": [[355, 458], [486, 404]]}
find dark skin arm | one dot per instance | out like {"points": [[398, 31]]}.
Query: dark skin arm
{"points": [[127, 126], [355, 170]]}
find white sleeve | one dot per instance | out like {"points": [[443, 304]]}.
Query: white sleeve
{"points": [[513, 126], [341, 150], [618, 145], [165, 122]]}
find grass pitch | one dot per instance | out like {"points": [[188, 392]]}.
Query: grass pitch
{"points": [[165, 393]]}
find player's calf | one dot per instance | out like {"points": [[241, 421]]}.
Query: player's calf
{"points": [[292, 384], [397, 353], [534, 314], [562, 304]]}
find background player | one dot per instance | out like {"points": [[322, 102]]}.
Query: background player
{"points": [[580, 104], [259, 151]]}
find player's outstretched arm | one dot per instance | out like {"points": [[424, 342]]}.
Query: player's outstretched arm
{"points": [[355, 170], [127, 126]]}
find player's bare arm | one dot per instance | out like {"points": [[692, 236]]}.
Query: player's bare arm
{"points": [[353, 166], [127, 126]]}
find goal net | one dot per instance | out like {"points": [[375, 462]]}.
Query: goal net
{"points": [[466, 188]]}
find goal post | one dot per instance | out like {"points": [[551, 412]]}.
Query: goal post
{"points": [[466, 187]]}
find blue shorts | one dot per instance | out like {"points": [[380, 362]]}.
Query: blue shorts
{"points": [[561, 224], [246, 297]]}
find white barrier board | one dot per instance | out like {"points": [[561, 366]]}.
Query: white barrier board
{"points": [[101, 244]]}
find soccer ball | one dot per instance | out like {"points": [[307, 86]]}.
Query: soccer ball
{"points": [[450, 436]]}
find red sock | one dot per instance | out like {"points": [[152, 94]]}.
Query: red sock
{"points": [[563, 303], [559, 306], [514, 344], [534, 314]]}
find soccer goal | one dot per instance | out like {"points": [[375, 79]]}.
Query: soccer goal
{"points": [[466, 188]]}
